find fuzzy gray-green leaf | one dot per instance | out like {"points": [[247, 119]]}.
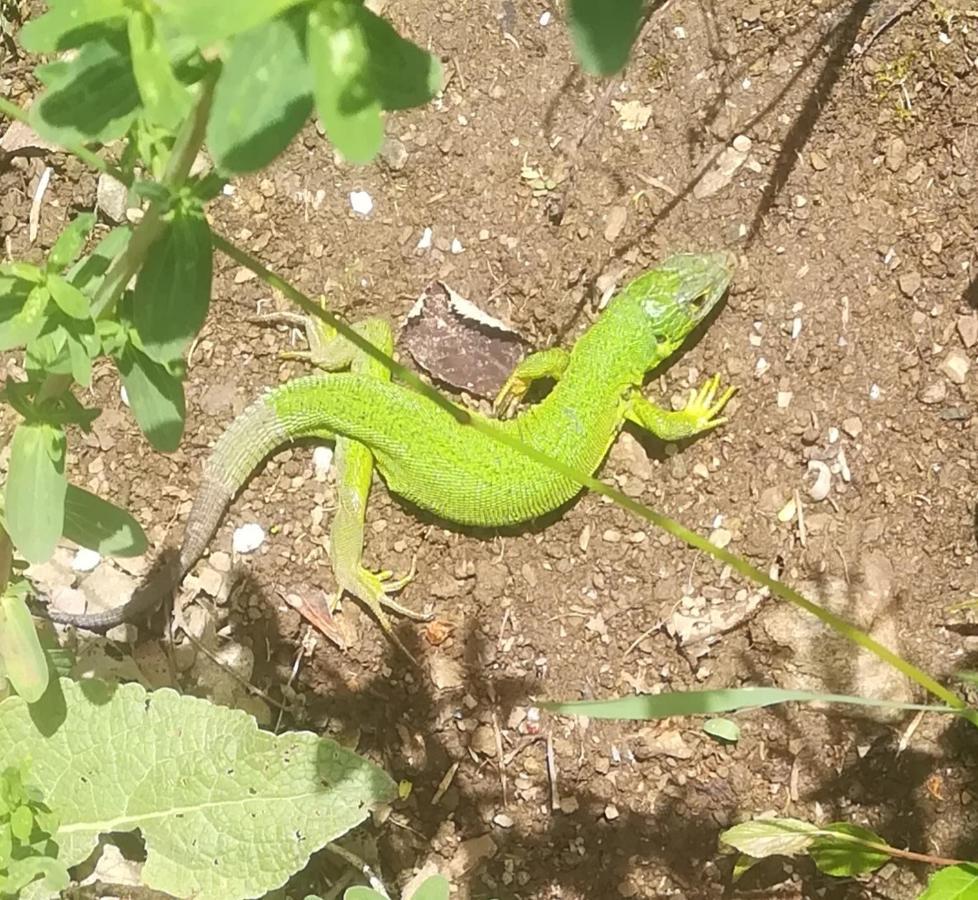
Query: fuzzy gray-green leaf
{"points": [[224, 808]]}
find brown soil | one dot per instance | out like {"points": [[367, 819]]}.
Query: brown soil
{"points": [[854, 215]]}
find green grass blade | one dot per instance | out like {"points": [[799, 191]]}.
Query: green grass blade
{"points": [[701, 703]]}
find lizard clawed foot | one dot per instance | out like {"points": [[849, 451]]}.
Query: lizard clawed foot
{"points": [[704, 408], [510, 395], [373, 589]]}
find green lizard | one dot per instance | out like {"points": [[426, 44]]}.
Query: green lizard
{"points": [[428, 457]]}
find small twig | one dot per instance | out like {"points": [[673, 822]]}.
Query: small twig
{"points": [[907, 735], [292, 676], [243, 681], [552, 772], [445, 783], [359, 864], [895, 16], [650, 630], [501, 764], [802, 533], [34, 216], [528, 741]]}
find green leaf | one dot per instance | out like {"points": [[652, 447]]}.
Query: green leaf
{"points": [[953, 883], [22, 271], [22, 875], [173, 289], [262, 97], [211, 22], [35, 492], [23, 659], [22, 823], [770, 837], [156, 398], [603, 33], [338, 53], [722, 729], [99, 525], [91, 98], [841, 850], [225, 809], [70, 242], [360, 892], [24, 325], [71, 301], [166, 100], [68, 24], [88, 273], [48, 353], [742, 866], [434, 888], [694, 703], [80, 362], [399, 73]]}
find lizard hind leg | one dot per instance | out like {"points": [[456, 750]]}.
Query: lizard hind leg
{"points": [[354, 470], [542, 364]]}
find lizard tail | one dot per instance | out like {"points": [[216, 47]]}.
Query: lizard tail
{"points": [[251, 437]]}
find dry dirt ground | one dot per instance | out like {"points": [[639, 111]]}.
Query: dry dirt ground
{"points": [[832, 146]]}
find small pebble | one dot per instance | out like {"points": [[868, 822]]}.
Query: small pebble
{"points": [[818, 161], [219, 561], [823, 480], [968, 330], [852, 426], [720, 537], [502, 820], [955, 366], [569, 805], [611, 812], [787, 512], [909, 283], [896, 154], [424, 243], [611, 536], [933, 393]]}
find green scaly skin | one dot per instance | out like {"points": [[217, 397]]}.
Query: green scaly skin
{"points": [[426, 456]]}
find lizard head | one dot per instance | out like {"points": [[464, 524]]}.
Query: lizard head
{"points": [[681, 292]]}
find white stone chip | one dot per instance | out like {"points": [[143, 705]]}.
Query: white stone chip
{"points": [[86, 560], [322, 459], [361, 202], [248, 538]]}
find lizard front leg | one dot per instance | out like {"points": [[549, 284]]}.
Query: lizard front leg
{"points": [[542, 364], [701, 413]]}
